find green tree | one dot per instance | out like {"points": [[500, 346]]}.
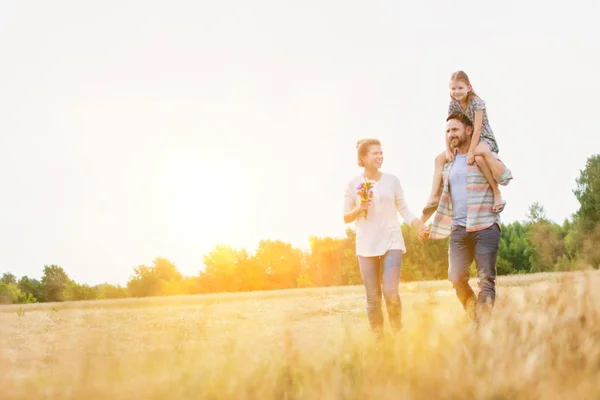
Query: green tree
{"points": [[536, 213], [10, 294], [423, 260], [9, 278], [31, 287], [54, 283], [588, 194], [77, 291], [590, 253], [108, 291], [514, 253], [155, 280], [548, 246], [350, 268]]}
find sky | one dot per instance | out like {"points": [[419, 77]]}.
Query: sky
{"points": [[131, 130]]}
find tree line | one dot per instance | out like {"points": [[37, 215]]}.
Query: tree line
{"points": [[535, 244]]}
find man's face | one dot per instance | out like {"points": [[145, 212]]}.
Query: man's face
{"points": [[456, 133]]}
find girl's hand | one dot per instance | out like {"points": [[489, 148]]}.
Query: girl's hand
{"points": [[470, 158], [449, 156]]}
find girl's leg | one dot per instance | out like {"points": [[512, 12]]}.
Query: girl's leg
{"points": [[434, 197], [487, 172], [499, 171], [391, 266], [370, 271]]}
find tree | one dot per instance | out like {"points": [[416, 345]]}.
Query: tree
{"points": [[591, 249], [54, 282], [514, 252], [536, 213], [10, 294], [154, 280], [251, 274], [548, 245], [225, 270], [280, 262], [326, 261], [588, 194], [108, 291], [165, 270], [9, 278], [350, 268], [31, 287], [77, 291], [423, 260]]}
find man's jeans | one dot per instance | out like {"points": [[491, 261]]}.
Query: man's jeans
{"points": [[377, 272], [482, 246]]}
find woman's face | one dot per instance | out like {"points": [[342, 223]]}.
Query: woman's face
{"points": [[374, 157]]}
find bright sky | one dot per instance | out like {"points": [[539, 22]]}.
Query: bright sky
{"points": [[137, 129]]}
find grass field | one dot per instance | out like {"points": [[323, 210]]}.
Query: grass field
{"points": [[543, 342]]}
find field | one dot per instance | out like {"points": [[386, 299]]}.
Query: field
{"points": [[543, 342]]}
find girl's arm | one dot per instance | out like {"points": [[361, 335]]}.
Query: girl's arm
{"points": [[478, 107], [478, 123], [448, 148]]}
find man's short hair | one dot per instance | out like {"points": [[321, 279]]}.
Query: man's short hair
{"points": [[462, 117]]}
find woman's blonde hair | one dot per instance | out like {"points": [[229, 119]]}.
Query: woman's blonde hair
{"points": [[362, 148]]}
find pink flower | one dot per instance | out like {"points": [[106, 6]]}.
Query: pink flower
{"points": [[365, 191]]}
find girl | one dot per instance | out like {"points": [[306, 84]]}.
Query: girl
{"points": [[483, 150]]}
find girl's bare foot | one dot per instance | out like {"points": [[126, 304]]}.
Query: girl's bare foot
{"points": [[499, 203]]}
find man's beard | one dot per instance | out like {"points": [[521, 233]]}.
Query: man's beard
{"points": [[456, 142]]}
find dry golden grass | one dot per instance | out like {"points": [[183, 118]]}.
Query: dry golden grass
{"points": [[543, 342]]}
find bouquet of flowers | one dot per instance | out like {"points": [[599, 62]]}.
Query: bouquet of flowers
{"points": [[365, 191]]}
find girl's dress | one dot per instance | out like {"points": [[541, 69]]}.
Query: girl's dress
{"points": [[486, 130]]}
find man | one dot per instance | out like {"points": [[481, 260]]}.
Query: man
{"points": [[465, 214]]}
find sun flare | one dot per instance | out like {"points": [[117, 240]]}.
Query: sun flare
{"points": [[207, 202]]}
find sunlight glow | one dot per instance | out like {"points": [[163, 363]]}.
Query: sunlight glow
{"points": [[207, 202]]}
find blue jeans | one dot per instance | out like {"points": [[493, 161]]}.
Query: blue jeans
{"points": [[481, 246], [377, 272]]}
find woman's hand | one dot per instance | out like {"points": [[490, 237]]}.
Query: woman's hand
{"points": [[423, 234], [364, 206], [356, 211]]}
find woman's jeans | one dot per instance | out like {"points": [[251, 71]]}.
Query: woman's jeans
{"points": [[377, 272]]}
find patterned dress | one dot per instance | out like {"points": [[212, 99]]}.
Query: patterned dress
{"points": [[486, 130]]}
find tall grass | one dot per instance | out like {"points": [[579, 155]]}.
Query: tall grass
{"points": [[542, 342]]}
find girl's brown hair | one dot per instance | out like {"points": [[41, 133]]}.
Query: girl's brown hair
{"points": [[462, 76], [362, 148]]}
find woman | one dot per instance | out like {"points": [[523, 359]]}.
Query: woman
{"points": [[379, 240]]}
